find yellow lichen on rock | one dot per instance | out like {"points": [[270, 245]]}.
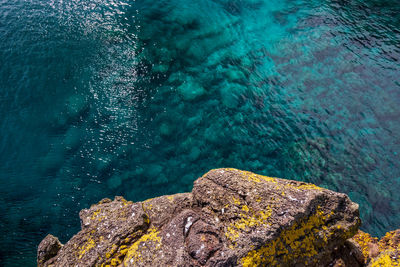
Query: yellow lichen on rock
{"points": [[236, 200], [364, 240], [255, 177], [110, 256], [116, 254], [305, 186], [299, 241], [389, 246], [279, 186], [146, 206], [95, 215], [385, 260], [151, 238], [388, 241], [126, 202], [231, 233], [247, 220], [90, 243]]}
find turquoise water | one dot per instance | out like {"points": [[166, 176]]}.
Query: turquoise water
{"points": [[139, 98]]}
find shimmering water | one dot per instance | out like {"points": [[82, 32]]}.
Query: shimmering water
{"points": [[138, 98]]}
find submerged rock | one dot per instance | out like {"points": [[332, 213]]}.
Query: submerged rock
{"points": [[191, 90], [230, 218]]}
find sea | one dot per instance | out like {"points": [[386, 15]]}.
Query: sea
{"points": [[100, 98]]}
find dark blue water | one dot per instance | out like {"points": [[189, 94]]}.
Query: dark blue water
{"points": [[139, 98]]}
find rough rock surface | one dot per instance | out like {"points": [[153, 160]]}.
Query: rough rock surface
{"points": [[231, 218], [48, 248], [374, 252]]}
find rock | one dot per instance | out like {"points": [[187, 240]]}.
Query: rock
{"points": [[231, 93], [52, 162], [47, 249], [107, 229], [230, 218], [370, 251], [103, 163], [191, 90], [165, 129], [348, 255], [389, 250], [72, 139], [194, 154], [270, 221], [235, 75], [76, 105], [366, 244], [162, 68], [114, 182], [153, 171]]}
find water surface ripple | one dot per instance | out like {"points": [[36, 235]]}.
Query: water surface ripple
{"points": [[139, 98]]}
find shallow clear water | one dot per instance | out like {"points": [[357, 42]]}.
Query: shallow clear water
{"points": [[139, 98]]}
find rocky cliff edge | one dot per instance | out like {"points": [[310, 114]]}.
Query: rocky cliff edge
{"points": [[231, 218]]}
